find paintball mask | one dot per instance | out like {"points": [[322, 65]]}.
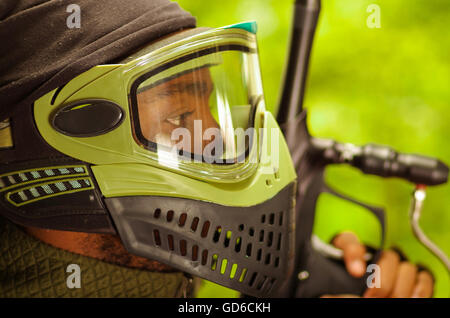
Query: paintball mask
{"points": [[173, 150]]}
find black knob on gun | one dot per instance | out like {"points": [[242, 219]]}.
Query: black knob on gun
{"points": [[383, 161], [386, 162]]}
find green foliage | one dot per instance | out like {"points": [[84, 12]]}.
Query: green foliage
{"points": [[387, 85]]}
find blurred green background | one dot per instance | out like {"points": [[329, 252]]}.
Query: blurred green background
{"points": [[388, 85]]}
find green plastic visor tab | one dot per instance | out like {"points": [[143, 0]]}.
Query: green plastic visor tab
{"points": [[250, 26]]}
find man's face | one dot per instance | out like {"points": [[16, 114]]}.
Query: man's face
{"points": [[177, 103]]}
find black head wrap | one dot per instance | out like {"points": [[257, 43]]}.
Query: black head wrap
{"points": [[39, 52]]}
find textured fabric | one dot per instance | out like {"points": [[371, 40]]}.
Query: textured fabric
{"points": [[30, 268], [39, 52]]}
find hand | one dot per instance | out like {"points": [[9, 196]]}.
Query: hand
{"points": [[398, 279]]}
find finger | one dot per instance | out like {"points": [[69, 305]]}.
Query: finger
{"points": [[354, 253], [388, 267], [340, 296], [424, 285], [406, 280]]}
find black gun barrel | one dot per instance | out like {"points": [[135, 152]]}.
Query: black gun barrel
{"points": [[306, 14]]}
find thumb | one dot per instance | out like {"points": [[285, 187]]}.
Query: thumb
{"points": [[354, 253]]}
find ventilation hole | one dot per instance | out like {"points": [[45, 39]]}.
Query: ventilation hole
{"points": [[157, 213], [182, 219], [269, 182], [226, 241], [157, 237], [261, 283], [214, 262], [237, 246], [205, 229], [263, 218], [204, 257], [279, 242], [169, 216], [241, 227], [259, 254], [170, 241], [261, 235], [267, 261], [251, 231], [277, 262], [194, 224], [280, 218], [223, 268], [252, 279], [248, 252], [217, 234], [183, 247], [233, 271], [194, 252], [270, 239], [243, 274], [272, 218]]}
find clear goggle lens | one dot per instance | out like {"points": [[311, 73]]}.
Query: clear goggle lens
{"points": [[200, 106]]}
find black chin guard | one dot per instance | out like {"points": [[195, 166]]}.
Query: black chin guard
{"points": [[249, 249]]}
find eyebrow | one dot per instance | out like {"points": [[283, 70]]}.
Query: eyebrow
{"points": [[167, 79], [191, 88]]}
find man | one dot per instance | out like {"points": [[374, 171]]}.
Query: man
{"points": [[35, 259]]}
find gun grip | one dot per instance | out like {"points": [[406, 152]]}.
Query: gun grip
{"points": [[326, 276], [317, 274]]}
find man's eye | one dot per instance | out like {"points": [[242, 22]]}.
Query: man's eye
{"points": [[174, 120]]}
